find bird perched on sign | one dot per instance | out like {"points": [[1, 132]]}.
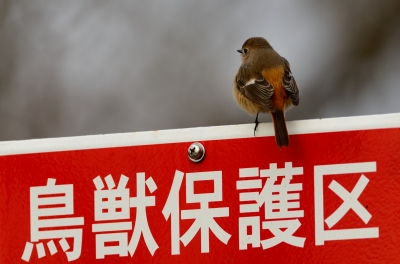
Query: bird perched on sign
{"points": [[264, 83]]}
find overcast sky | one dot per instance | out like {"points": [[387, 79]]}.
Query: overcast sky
{"points": [[84, 67]]}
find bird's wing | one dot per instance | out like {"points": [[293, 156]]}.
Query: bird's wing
{"points": [[290, 85], [257, 90]]}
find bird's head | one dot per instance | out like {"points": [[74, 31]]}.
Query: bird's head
{"points": [[252, 44]]}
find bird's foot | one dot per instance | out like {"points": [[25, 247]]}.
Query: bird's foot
{"points": [[255, 127]]}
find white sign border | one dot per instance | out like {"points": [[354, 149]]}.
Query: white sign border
{"points": [[197, 134]]}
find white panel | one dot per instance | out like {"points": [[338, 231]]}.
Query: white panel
{"points": [[197, 134]]}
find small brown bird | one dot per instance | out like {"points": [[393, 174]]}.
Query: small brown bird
{"points": [[264, 83]]}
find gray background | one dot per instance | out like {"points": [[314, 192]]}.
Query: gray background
{"points": [[92, 67]]}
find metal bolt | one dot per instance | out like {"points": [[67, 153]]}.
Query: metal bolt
{"points": [[196, 152]]}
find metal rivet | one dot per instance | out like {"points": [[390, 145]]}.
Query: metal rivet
{"points": [[196, 152]]}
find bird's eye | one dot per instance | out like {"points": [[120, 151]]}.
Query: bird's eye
{"points": [[245, 51]]}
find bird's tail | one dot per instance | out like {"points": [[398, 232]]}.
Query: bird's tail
{"points": [[281, 134]]}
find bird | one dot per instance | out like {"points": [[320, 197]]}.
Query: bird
{"points": [[264, 83]]}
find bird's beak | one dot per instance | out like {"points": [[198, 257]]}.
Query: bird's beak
{"points": [[240, 51]]}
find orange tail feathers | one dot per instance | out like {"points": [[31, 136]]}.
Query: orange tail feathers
{"points": [[281, 133]]}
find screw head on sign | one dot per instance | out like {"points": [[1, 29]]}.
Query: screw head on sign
{"points": [[196, 152]]}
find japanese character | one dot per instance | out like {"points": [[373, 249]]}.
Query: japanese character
{"points": [[350, 201], [114, 204], [47, 202], [280, 200], [204, 218]]}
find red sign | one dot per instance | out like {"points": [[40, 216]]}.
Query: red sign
{"points": [[329, 197]]}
